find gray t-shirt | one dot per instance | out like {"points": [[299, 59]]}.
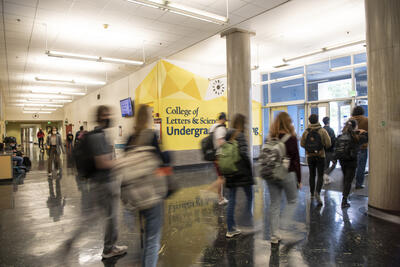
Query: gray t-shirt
{"points": [[100, 146], [219, 133]]}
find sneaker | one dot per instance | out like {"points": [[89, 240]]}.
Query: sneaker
{"points": [[318, 197], [345, 204], [233, 233], [327, 179], [223, 201], [49, 174], [360, 186], [312, 195], [115, 251]]}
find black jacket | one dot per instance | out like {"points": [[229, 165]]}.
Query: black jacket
{"points": [[332, 135], [244, 175]]}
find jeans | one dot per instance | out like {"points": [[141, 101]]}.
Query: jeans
{"points": [[361, 163], [101, 201], [18, 159], [316, 164], [248, 190], [154, 221], [348, 169], [328, 160], [53, 157], [40, 142], [289, 185]]}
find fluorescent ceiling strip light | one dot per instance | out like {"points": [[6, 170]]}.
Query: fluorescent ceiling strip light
{"points": [[56, 91], [48, 101], [93, 58], [319, 81], [349, 67], [292, 85], [72, 81], [39, 105], [48, 109], [40, 109], [281, 79], [323, 50], [39, 112], [183, 10], [46, 96], [32, 109]]}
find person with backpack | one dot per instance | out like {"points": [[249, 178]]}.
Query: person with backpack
{"points": [[315, 140], [362, 122], [79, 134], [97, 156], [346, 151], [329, 152], [280, 167], [142, 159], [242, 175], [217, 135], [54, 149]]}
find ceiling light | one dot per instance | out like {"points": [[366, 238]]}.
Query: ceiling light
{"points": [[183, 10], [39, 105], [323, 50], [56, 91], [71, 81], [39, 112], [348, 67], [48, 101], [40, 109], [52, 96], [281, 79], [93, 58]]}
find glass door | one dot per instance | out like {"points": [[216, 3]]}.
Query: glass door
{"points": [[321, 109]]}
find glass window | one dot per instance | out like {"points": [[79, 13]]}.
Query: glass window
{"points": [[265, 123], [361, 81], [287, 90], [322, 83], [264, 77], [287, 73], [360, 58], [340, 62]]}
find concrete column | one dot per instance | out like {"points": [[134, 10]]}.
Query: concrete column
{"points": [[383, 48], [239, 75]]}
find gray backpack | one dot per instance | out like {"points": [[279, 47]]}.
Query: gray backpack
{"points": [[141, 187], [273, 159]]}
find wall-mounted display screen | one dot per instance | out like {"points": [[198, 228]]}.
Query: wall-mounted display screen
{"points": [[126, 107]]}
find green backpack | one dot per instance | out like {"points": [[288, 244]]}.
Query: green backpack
{"points": [[228, 156]]}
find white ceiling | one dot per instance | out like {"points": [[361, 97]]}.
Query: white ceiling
{"points": [[76, 26]]}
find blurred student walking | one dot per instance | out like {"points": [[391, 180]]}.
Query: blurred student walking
{"points": [[282, 130], [347, 149], [144, 139], [243, 177], [104, 189]]}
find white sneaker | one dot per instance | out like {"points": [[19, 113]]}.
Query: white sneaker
{"points": [[223, 201], [49, 174], [115, 251], [327, 179], [318, 197], [233, 233]]}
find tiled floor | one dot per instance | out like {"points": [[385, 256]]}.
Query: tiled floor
{"points": [[43, 213]]}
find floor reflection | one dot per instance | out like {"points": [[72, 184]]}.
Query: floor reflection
{"points": [[55, 201], [194, 227]]}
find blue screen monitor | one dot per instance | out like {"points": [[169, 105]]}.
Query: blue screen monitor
{"points": [[126, 107]]}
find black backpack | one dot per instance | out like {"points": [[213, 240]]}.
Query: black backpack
{"points": [[84, 156], [313, 141], [345, 148], [207, 146]]}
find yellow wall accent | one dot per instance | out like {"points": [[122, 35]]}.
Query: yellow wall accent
{"points": [[179, 97]]}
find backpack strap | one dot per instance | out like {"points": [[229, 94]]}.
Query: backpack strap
{"points": [[285, 138]]}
